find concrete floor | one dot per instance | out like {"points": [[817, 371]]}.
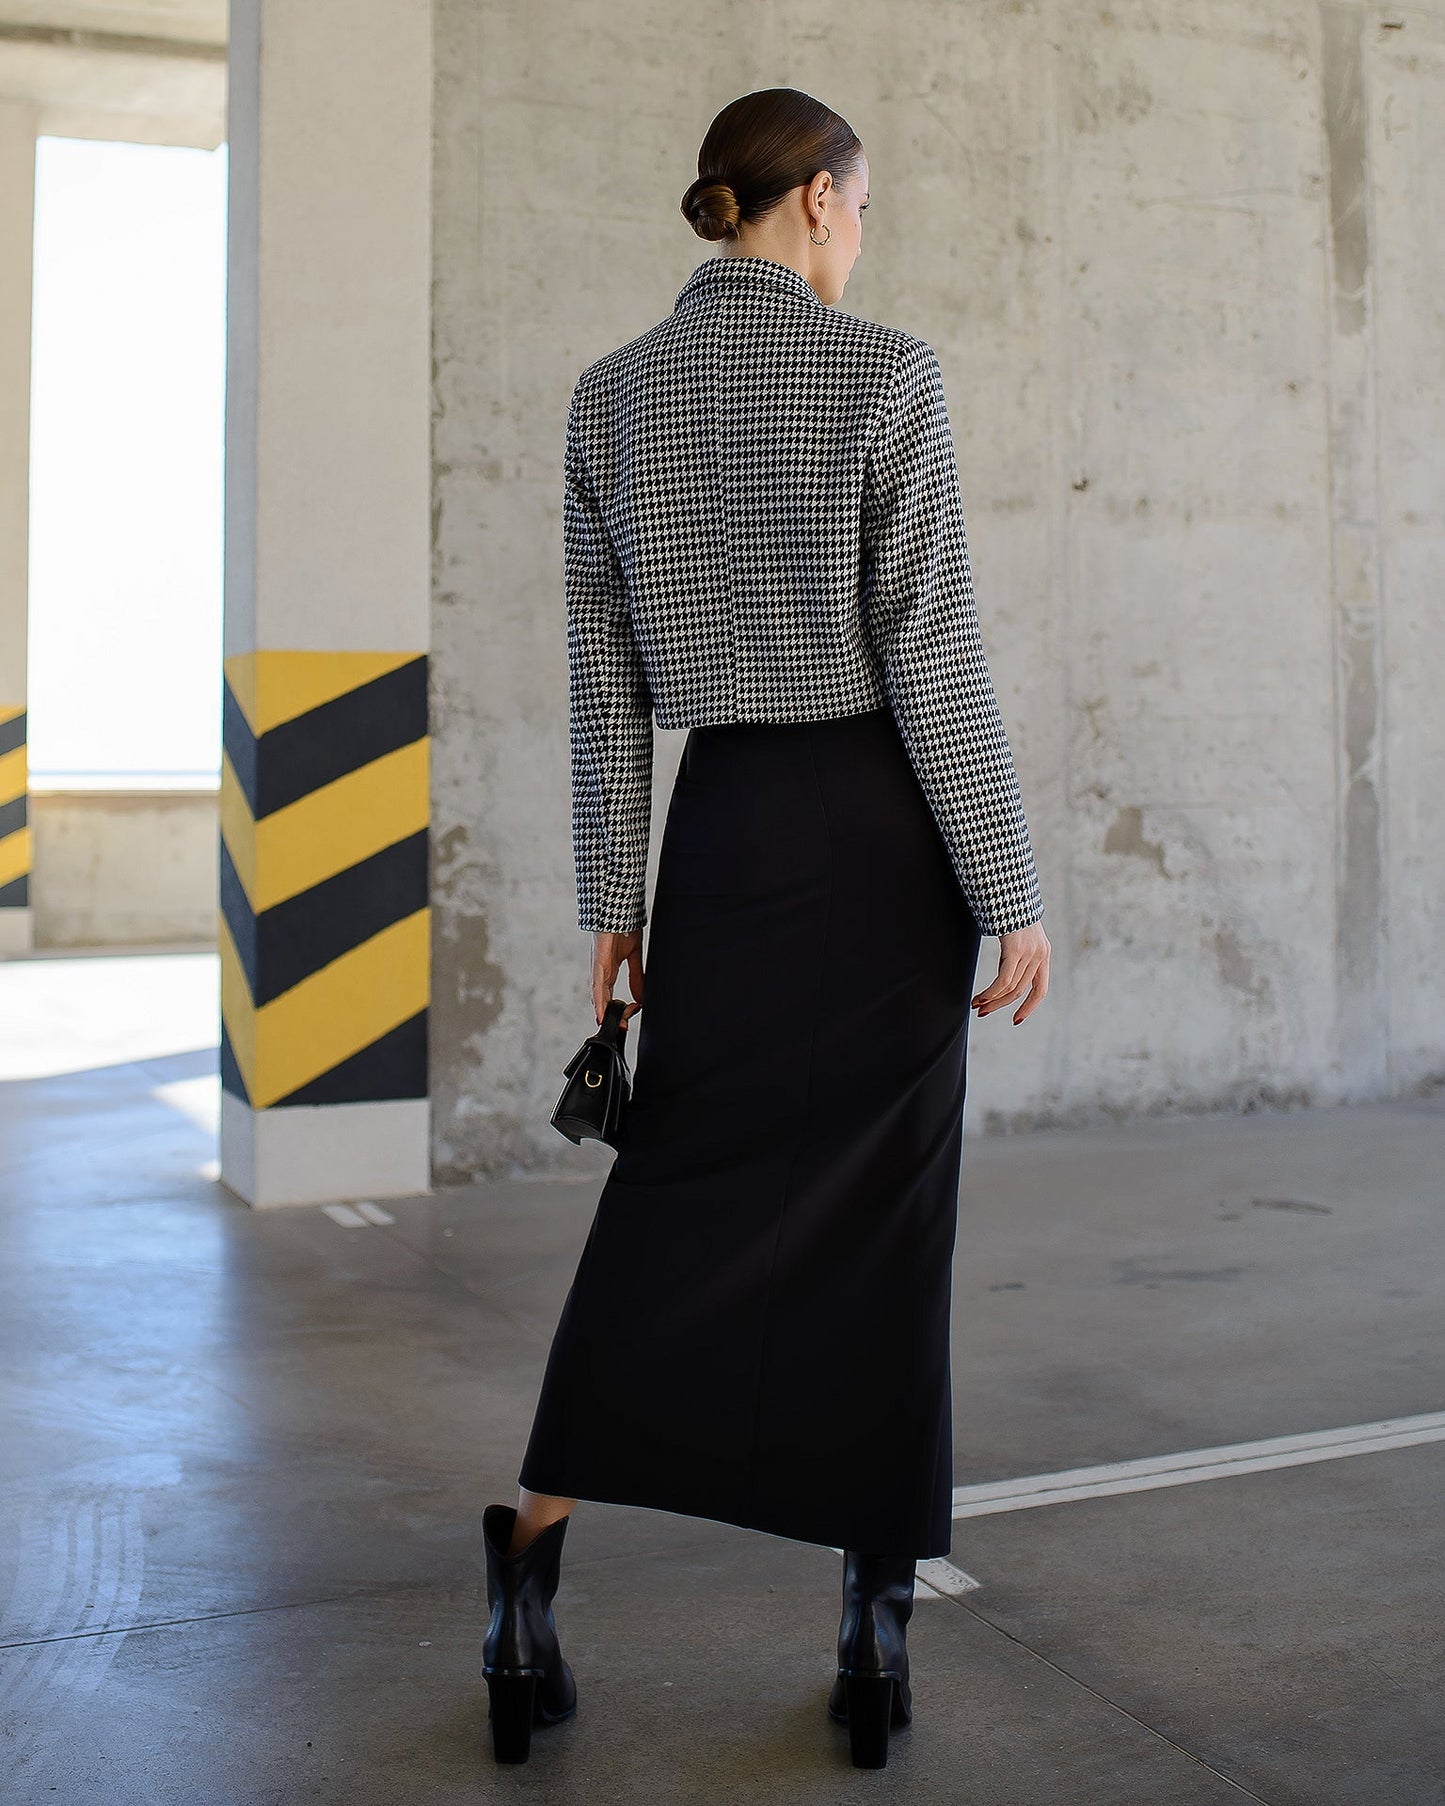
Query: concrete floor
{"points": [[245, 1455]]}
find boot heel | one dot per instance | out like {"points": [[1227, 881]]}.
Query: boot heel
{"points": [[512, 1698], [869, 1700]]}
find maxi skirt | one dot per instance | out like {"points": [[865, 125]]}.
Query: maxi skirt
{"points": [[758, 1328]]}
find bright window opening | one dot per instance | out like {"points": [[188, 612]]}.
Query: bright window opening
{"points": [[127, 443]]}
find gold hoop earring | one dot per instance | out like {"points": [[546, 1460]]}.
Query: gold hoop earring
{"points": [[820, 241]]}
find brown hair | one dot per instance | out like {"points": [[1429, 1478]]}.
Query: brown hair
{"points": [[758, 148]]}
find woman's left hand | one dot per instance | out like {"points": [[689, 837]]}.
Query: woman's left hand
{"points": [[610, 952]]}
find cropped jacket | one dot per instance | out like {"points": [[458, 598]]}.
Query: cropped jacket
{"points": [[762, 522]]}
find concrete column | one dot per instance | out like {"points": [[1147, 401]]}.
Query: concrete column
{"points": [[18, 125], [325, 922], [1361, 929]]}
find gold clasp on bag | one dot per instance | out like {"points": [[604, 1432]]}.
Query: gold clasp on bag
{"points": [[594, 1079]]}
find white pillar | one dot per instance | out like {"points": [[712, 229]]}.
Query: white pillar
{"points": [[325, 921], [18, 124]]}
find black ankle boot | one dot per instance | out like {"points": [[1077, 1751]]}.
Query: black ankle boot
{"points": [[528, 1682], [870, 1692]]}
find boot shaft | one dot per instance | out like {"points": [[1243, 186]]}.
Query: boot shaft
{"points": [[877, 1605], [522, 1633]]}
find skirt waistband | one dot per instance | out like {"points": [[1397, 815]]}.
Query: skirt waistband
{"points": [[767, 746]]}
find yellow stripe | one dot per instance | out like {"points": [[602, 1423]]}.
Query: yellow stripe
{"points": [[273, 686], [336, 1012], [238, 1012], [14, 855], [12, 775], [9, 710], [334, 827], [339, 825]]}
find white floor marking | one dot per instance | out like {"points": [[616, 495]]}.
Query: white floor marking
{"points": [[1154, 1471], [345, 1215], [374, 1213], [943, 1580], [946, 1580]]}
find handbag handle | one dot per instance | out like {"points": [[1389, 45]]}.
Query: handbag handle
{"points": [[611, 1029]]}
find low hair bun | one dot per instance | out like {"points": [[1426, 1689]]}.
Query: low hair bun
{"points": [[769, 142], [711, 207]]}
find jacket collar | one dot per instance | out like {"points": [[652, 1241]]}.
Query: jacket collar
{"points": [[728, 270]]}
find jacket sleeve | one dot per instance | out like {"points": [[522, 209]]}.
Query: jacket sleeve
{"points": [[610, 712], [921, 622]]}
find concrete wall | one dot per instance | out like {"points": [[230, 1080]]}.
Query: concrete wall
{"points": [[124, 867], [142, 71], [1182, 261]]}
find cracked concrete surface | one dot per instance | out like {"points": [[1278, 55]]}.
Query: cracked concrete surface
{"points": [[247, 1454]]}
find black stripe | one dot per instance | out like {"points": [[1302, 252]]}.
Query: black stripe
{"points": [[12, 815], [12, 733], [15, 894], [394, 1066], [239, 744], [291, 940], [231, 1079], [238, 915], [325, 743]]}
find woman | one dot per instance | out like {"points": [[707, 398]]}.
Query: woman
{"points": [[764, 543]]}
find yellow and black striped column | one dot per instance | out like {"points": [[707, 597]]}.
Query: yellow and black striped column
{"points": [[324, 921], [19, 123], [14, 816]]}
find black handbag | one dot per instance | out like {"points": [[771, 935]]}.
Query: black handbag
{"points": [[594, 1099]]}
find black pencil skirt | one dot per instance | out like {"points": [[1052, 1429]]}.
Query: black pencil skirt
{"points": [[758, 1329]]}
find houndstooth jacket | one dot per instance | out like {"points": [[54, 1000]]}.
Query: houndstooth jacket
{"points": [[762, 522]]}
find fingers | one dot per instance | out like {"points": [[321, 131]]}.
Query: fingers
{"points": [[1023, 972], [1037, 990], [1013, 969], [634, 983], [1013, 980], [610, 952]]}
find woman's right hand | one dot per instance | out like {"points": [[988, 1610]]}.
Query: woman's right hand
{"points": [[1023, 965]]}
